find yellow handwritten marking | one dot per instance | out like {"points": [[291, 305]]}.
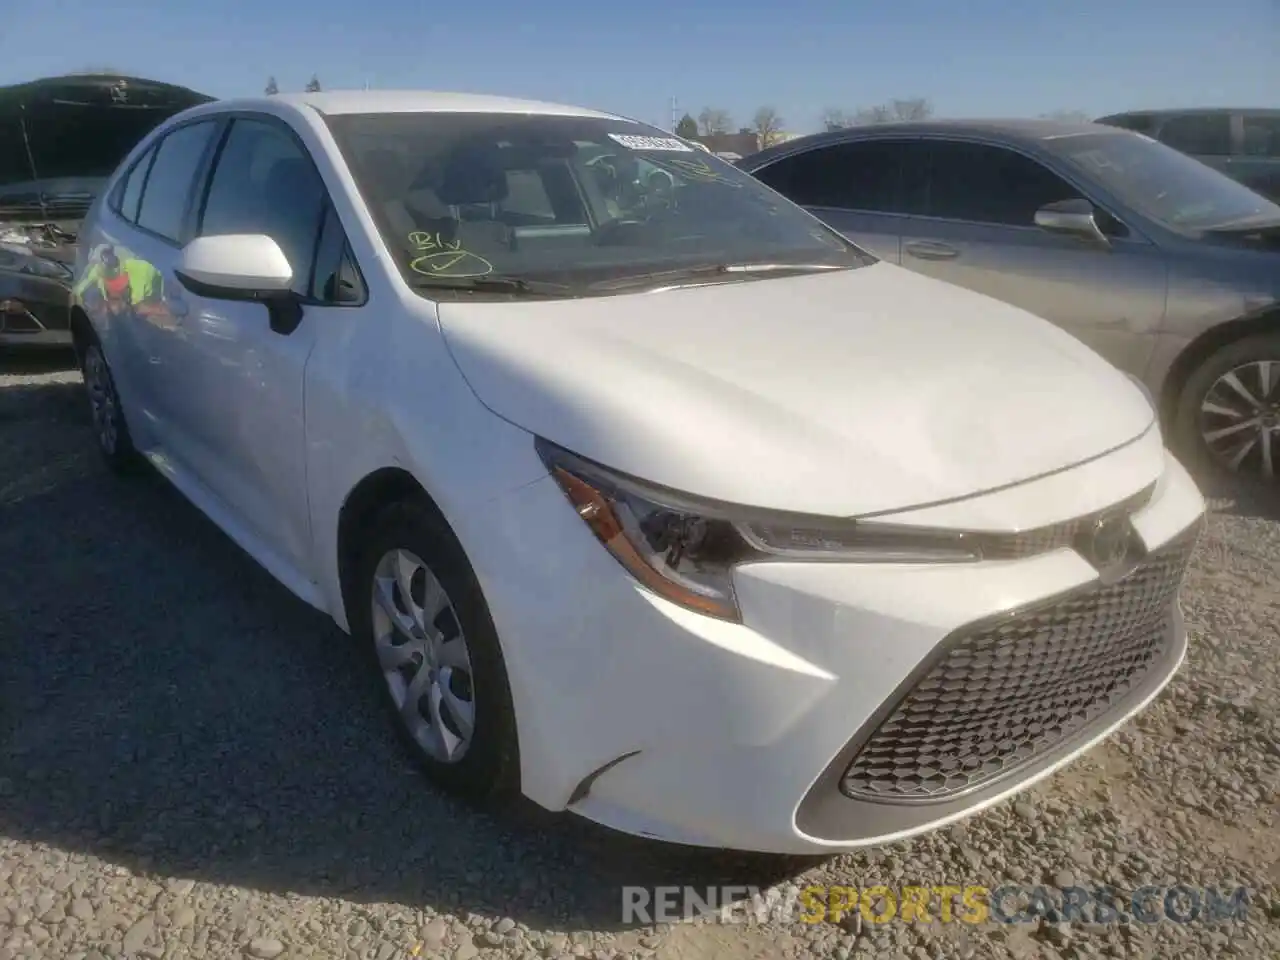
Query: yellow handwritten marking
{"points": [[432, 241], [451, 263]]}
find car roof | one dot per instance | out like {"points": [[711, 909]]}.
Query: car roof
{"points": [[339, 102], [1194, 111], [1017, 131]]}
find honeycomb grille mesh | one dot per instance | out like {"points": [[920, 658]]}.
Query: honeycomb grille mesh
{"points": [[1002, 696]]}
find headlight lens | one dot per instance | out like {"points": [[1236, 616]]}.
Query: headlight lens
{"points": [[685, 550]]}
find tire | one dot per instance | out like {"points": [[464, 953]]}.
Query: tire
{"points": [[1231, 453], [412, 536], [110, 430]]}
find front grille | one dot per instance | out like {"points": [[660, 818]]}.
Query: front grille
{"points": [[1001, 696]]}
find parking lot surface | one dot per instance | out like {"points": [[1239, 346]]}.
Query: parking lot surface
{"points": [[192, 764]]}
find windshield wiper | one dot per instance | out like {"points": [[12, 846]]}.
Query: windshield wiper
{"points": [[534, 288], [658, 277]]}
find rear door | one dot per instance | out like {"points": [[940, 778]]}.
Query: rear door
{"points": [[973, 224], [854, 187], [129, 288]]}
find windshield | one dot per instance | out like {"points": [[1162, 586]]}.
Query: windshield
{"points": [[574, 201], [1171, 188]]}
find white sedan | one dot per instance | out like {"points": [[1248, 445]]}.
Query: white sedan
{"points": [[648, 495]]}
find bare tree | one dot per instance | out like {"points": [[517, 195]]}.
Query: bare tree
{"points": [[767, 126], [713, 120], [272, 87], [1066, 116], [834, 118], [877, 114], [916, 108], [313, 85]]}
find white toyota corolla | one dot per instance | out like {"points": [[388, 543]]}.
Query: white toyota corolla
{"points": [[650, 496]]}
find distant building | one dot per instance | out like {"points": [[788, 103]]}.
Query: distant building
{"points": [[742, 144]]}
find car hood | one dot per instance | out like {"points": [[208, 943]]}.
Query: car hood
{"points": [[60, 137], [841, 394]]}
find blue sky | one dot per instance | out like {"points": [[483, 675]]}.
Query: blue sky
{"points": [[970, 58]]}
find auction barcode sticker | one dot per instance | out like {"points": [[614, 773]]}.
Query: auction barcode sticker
{"points": [[650, 143]]}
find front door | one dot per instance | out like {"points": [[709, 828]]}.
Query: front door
{"points": [[245, 422], [975, 227]]}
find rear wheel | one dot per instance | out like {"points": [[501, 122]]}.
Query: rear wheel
{"points": [[419, 612], [1228, 414], [109, 427]]}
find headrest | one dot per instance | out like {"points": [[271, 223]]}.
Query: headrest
{"points": [[472, 176], [386, 171], [289, 176]]}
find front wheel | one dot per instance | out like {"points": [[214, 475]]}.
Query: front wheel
{"points": [[419, 612], [109, 427], [1228, 415]]}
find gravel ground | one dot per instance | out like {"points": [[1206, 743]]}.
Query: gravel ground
{"points": [[191, 764]]}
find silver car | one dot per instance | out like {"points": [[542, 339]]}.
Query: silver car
{"points": [[1164, 266]]}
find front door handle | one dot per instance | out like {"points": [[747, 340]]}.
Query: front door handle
{"points": [[931, 250]]}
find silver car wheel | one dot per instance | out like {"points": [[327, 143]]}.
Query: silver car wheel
{"points": [[103, 403], [1240, 418], [423, 655]]}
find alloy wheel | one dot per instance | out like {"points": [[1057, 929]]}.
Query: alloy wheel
{"points": [[103, 403], [1240, 418], [423, 656]]}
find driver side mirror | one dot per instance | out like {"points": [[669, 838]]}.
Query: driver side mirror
{"points": [[243, 267], [1074, 218]]}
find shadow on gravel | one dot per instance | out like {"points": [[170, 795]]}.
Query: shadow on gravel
{"points": [[33, 362], [1240, 497], [164, 704]]}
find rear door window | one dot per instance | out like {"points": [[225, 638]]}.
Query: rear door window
{"points": [[168, 186], [131, 189], [862, 176], [1199, 134]]}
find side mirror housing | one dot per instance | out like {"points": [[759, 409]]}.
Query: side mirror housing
{"points": [[1075, 218], [245, 267]]}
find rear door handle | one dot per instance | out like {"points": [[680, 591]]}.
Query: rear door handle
{"points": [[931, 250]]}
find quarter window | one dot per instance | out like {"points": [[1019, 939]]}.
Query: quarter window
{"points": [[848, 176], [168, 186], [265, 183], [1199, 134], [336, 279], [987, 184]]}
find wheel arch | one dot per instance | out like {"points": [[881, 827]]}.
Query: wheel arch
{"points": [[369, 497], [81, 330], [1202, 347]]}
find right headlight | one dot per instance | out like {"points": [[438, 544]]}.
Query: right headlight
{"points": [[685, 549]]}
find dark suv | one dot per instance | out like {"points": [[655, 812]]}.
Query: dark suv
{"points": [[1244, 144], [60, 137]]}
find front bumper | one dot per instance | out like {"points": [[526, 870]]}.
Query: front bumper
{"points": [[659, 722]]}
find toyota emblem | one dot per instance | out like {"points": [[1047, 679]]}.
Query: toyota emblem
{"points": [[1107, 543]]}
